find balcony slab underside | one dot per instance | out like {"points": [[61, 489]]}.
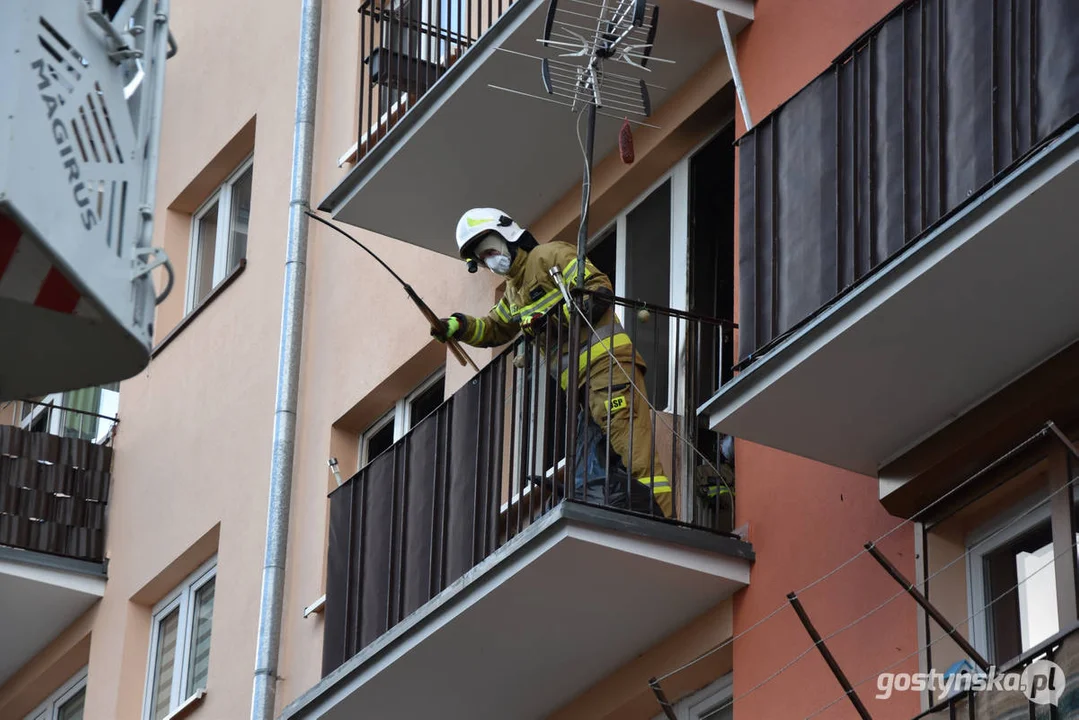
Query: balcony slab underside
{"points": [[552, 612], [466, 144], [40, 595], [954, 318]]}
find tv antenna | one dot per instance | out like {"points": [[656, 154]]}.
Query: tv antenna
{"points": [[588, 37]]}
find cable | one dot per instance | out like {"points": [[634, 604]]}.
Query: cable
{"points": [[363, 247], [1048, 563], [655, 412], [587, 187], [849, 625], [712, 467], [847, 562]]}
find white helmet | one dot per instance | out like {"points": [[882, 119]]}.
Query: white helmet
{"points": [[478, 222]]}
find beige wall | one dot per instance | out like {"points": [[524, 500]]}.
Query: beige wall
{"points": [[193, 448], [626, 694], [193, 451], [947, 550]]}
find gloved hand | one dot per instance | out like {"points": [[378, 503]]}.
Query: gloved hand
{"points": [[595, 304], [450, 327], [530, 323]]}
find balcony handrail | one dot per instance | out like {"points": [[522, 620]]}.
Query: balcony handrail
{"points": [[102, 437], [420, 26], [653, 307], [64, 408], [1035, 652], [501, 453], [405, 48]]}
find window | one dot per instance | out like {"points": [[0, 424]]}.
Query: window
{"points": [[674, 247], [1011, 574], [219, 235], [406, 414], [712, 702], [67, 703], [180, 644]]}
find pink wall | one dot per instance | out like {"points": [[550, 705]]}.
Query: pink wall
{"points": [[806, 518], [790, 42]]}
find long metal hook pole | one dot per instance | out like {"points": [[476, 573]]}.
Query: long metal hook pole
{"points": [[428, 314]]}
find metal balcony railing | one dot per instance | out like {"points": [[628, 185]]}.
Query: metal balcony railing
{"points": [[919, 117], [405, 47], [507, 448], [988, 702], [55, 473]]}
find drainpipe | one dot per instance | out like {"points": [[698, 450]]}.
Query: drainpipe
{"points": [[288, 370]]}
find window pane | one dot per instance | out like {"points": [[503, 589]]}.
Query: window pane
{"points": [[206, 241], [379, 441], [604, 255], [1037, 595], [1020, 591], [648, 278], [199, 663], [426, 402], [77, 425], [72, 709], [164, 660], [725, 713], [241, 214]]}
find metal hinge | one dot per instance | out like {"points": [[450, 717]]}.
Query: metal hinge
{"points": [[158, 258]]}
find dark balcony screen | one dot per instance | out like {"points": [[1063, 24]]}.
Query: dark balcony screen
{"points": [[913, 121], [414, 519]]}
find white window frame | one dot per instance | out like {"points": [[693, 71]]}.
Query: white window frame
{"points": [[182, 598], [678, 296], [706, 700], [222, 196], [50, 709], [400, 415], [979, 545]]}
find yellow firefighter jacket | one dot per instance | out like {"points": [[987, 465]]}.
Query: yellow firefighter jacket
{"points": [[532, 293]]}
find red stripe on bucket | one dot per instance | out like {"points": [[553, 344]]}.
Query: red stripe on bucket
{"points": [[57, 293], [9, 240]]}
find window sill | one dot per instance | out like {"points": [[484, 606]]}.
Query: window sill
{"points": [[187, 706], [190, 317]]}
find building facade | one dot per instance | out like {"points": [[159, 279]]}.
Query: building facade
{"points": [[861, 273]]}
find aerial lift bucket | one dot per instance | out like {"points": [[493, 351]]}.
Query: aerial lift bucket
{"points": [[79, 120]]}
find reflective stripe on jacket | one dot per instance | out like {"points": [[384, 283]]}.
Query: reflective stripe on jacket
{"points": [[531, 292]]}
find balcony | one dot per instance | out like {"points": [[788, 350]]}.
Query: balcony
{"points": [[463, 556], [1062, 649], [907, 232], [55, 471], [428, 111]]}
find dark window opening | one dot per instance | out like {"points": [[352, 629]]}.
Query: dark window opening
{"points": [[380, 441], [426, 402]]}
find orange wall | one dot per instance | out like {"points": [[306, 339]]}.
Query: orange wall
{"points": [[806, 518], [790, 42]]}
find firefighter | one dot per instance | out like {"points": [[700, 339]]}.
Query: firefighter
{"points": [[488, 237]]}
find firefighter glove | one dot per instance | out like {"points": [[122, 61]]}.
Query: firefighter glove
{"points": [[596, 304], [450, 327]]}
